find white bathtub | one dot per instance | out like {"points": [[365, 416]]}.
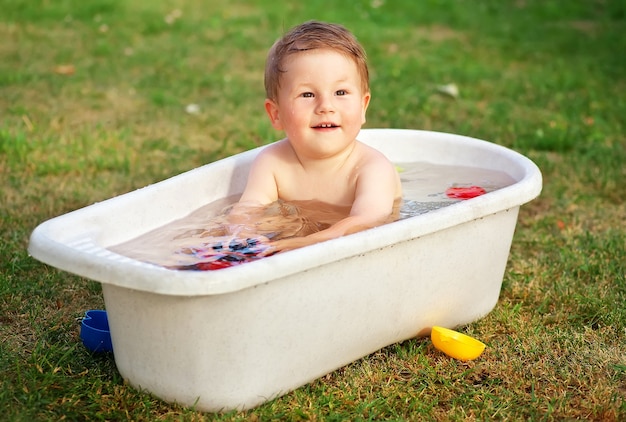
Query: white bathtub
{"points": [[240, 336]]}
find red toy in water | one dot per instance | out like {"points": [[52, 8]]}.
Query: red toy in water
{"points": [[222, 255], [465, 193]]}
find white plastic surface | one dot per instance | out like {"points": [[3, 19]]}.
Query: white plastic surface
{"points": [[237, 337]]}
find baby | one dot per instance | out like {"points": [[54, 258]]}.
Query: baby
{"points": [[317, 87]]}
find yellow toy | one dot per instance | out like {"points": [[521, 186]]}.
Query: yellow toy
{"points": [[455, 344]]}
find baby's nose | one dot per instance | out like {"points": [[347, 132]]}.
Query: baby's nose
{"points": [[325, 104]]}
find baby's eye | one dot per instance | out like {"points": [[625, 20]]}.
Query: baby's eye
{"points": [[341, 92], [307, 94]]}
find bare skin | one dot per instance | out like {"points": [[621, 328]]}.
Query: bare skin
{"points": [[321, 108]]}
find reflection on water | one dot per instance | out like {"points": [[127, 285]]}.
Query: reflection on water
{"points": [[204, 239], [208, 233]]}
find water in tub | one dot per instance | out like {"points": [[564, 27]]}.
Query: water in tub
{"points": [[205, 240]]}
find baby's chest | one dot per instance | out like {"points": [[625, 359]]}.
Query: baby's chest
{"points": [[336, 190]]}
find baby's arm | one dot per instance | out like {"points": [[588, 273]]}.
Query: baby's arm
{"points": [[261, 186], [260, 190], [378, 186]]}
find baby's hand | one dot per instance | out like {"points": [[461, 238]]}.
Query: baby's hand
{"points": [[284, 245]]}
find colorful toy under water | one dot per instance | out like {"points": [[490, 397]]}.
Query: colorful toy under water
{"points": [[455, 344], [465, 192], [219, 255]]}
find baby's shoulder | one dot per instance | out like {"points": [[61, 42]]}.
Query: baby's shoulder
{"points": [[273, 152], [279, 149], [370, 155]]}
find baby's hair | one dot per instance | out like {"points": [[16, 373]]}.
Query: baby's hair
{"points": [[312, 35]]}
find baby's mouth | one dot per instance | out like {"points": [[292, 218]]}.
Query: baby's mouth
{"points": [[325, 126]]}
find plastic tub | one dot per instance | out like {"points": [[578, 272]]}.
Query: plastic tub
{"points": [[240, 336]]}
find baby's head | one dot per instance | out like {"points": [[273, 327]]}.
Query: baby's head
{"points": [[310, 36]]}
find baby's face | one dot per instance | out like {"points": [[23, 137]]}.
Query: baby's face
{"points": [[320, 105]]}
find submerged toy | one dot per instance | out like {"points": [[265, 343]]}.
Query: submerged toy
{"points": [[221, 255], [465, 192], [455, 344]]}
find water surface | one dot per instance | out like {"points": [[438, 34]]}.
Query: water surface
{"points": [[209, 239]]}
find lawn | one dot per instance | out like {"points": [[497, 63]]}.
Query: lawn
{"points": [[101, 97]]}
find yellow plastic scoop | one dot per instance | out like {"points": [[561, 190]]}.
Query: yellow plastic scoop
{"points": [[455, 344]]}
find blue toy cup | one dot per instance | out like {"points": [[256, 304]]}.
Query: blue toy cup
{"points": [[94, 331]]}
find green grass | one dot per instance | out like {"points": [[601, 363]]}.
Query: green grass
{"points": [[546, 78]]}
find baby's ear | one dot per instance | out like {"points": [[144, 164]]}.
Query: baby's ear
{"points": [[271, 108], [366, 101]]}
